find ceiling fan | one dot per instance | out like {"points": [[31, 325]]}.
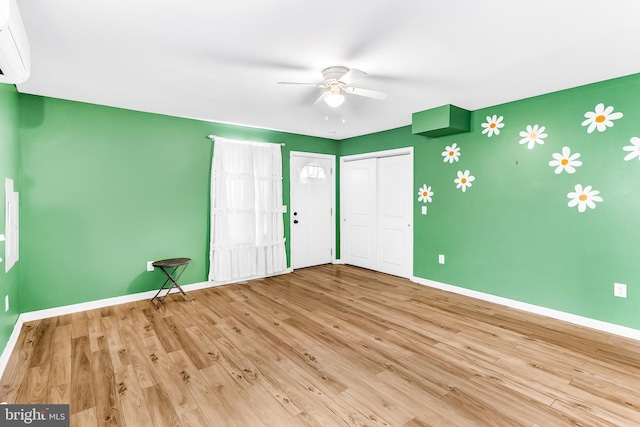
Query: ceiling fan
{"points": [[338, 80]]}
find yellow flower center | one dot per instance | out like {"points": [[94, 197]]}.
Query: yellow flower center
{"points": [[451, 153], [492, 125], [425, 194], [600, 118], [463, 180], [582, 197], [564, 162], [533, 136]]}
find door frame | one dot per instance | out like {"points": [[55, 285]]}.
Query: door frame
{"points": [[378, 154], [332, 183]]}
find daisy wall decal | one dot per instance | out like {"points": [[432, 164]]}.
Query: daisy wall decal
{"points": [[533, 135], [492, 125], [600, 119], [565, 161], [451, 154], [425, 194], [583, 198], [634, 149], [464, 180]]}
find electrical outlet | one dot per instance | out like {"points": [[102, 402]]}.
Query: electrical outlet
{"points": [[149, 265], [441, 259], [620, 290], [6, 303]]}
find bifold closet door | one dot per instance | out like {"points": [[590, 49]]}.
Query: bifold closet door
{"points": [[359, 213], [376, 214], [395, 234]]}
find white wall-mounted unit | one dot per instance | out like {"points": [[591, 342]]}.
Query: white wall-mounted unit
{"points": [[15, 61]]}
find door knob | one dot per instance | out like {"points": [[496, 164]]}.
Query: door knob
{"points": [[295, 213], [295, 221]]}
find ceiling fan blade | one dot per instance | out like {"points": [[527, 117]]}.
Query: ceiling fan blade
{"points": [[301, 84], [351, 75], [367, 92], [320, 98]]}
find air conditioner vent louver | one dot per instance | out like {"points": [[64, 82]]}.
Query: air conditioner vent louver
{"points": [[15, 64]]}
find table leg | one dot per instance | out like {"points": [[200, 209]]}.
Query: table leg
{"points": [[174, 284]]}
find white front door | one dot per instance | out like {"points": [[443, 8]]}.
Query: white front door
{"points": [[311, 213], [376, 202]]}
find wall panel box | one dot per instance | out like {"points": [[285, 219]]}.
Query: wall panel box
{"points": [[440, 121]]}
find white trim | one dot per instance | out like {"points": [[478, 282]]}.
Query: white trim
{"points": [[332, 159], [107, 302], [8, 349], [338, 261], [599, 325], [378, 154]]}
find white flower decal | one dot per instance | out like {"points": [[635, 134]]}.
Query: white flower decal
{"points": [[600, 118], [565, 161], [451, 154], [634, 149], [583, 197], [464, 180], [533, 135], [493, 125], [425, 194]]}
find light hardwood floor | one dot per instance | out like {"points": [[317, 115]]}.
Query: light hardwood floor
{"points": [[324, 346]]}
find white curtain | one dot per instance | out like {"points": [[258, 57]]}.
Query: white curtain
{"points": [[247, 226]]}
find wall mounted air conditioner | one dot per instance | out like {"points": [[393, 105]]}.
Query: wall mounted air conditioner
{"points": [[15, 62]]}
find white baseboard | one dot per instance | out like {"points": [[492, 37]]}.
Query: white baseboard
{"points": [[8, 349], [338, 261], [548, 312], [107, 302]]}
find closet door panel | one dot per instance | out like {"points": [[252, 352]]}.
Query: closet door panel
{"points": [[359, 211], [394, 215]]}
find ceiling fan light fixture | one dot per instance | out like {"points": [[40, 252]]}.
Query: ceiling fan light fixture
{"points": [[334, 100]]}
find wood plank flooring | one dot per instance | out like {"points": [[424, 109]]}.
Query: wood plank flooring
{"points": [[324, 346]]}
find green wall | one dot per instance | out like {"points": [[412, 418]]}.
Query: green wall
{"points": [[105, 190], [9, 167], [512, 233]]}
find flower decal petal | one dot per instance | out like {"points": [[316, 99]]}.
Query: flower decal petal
{"points": [[464, 180], [492, 125], [425, 194], [633, 149], [583, 198], [565, 161], [533, 135], [451, 154], [601, 118]]}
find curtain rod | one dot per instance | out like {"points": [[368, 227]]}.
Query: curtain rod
{"points": [[211, 137]]}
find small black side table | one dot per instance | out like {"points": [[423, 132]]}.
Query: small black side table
{"points": [[165, 265]]}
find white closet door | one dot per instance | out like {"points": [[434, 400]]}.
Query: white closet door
{"points": [[377, 214], [395, 235], [359, 213]]}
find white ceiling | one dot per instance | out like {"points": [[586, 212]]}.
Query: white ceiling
{"points": [[221, 60]]}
